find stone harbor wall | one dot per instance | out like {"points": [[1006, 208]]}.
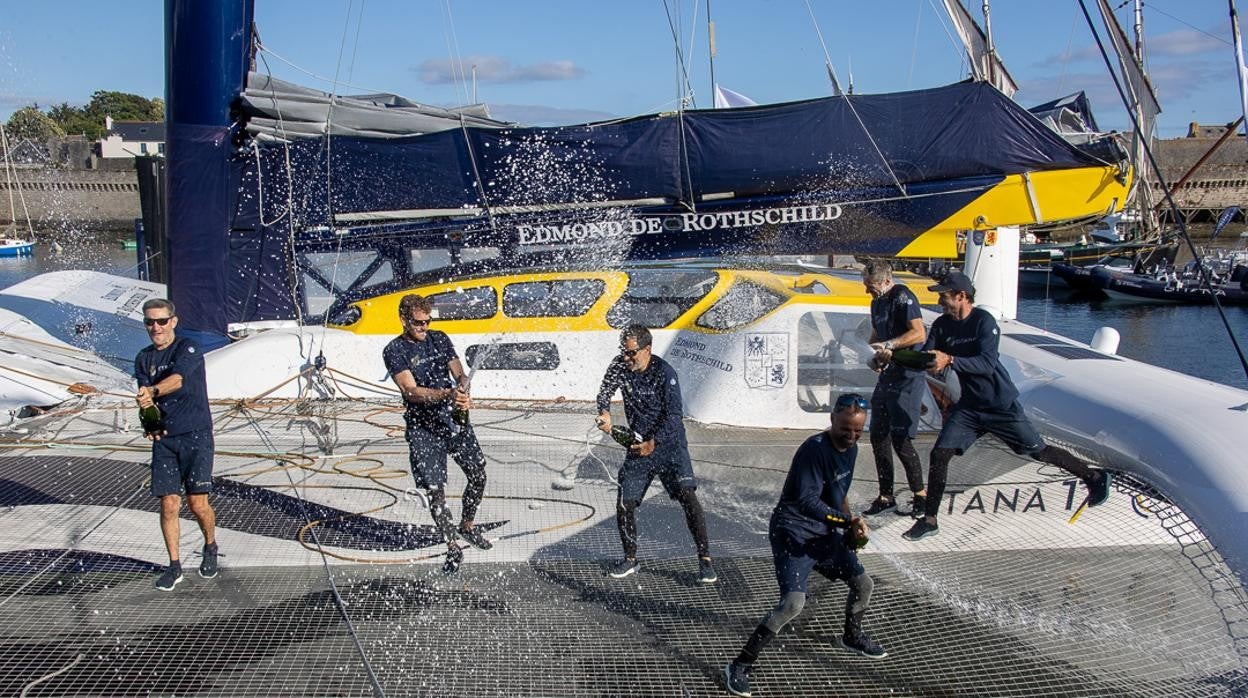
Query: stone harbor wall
{"points": [[63, 200]]}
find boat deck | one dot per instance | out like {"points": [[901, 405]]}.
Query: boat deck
{"points": [[331, 584]]}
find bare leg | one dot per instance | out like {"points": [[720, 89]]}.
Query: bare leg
{"points": [[207, 518], [170, 525]]}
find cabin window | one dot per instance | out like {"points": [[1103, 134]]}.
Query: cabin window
{"points": [[513, 356], [480, 303], [744, 303], [428, 260], [563, 298], [656, 297], [832, 356]]}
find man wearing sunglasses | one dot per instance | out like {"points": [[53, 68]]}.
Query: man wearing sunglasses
{"points": [[804, 538], [653, 407], [425, 367], [896, 323], [967, 340], [170, 374]]}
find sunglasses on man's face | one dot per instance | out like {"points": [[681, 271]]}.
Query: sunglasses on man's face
{"points": [[419, 323], [848, 399], [630, 353], [162, 321]]}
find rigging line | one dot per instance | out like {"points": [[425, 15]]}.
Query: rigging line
{"points": [[315, 76], [685, 92], [693, 40], [849, 102], [329, 139], [827, 58], [964, 58], [452, 48], [292, 260], [339, 603], [1193, 27], [1201, 268], [355, 48], [476, 175]]}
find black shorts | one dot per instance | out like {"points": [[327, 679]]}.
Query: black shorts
{"points": [[795, 559], [429, 446], [182, 464]]}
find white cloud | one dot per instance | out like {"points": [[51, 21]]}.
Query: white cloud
{"points": [[495, 70]]}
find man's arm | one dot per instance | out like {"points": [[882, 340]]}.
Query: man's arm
{"points": [[417, 394], [809, 479]]}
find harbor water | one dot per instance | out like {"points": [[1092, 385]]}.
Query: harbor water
{"points": [[1188, 339]]}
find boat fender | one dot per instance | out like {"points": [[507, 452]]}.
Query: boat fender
{"points": [[1106, 341]]}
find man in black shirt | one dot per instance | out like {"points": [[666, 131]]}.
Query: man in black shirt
{"points": [[170, 374], [805, 537], [423, 364], [652, 405], [896, 323], [967, 339]]}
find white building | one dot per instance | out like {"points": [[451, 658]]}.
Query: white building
{"points": [[126, 139]]}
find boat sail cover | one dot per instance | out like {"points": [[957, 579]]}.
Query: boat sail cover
{"points": [[851, 174]]}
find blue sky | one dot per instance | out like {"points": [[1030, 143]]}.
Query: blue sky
{"points": [[551, 61]]}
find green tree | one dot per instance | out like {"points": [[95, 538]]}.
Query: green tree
{"points": [[121, 106], [29, 122]]}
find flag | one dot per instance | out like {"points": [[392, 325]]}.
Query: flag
{"points": [[1227, 214], [725, 98]]}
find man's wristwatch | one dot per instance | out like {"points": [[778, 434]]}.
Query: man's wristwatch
{"points": [[888, 345], [155, 392]]}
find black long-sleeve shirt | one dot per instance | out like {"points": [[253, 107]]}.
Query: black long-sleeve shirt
{"points": [[974, 345], [818, 481], [652, 402]]}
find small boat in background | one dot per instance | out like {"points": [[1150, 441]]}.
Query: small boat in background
{"points": [[16, 247]]}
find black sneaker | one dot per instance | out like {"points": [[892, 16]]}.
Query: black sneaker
{"points": [[921, 529], [454, 556], [208, 566], [475, 539], [171, 577], [917, 506], [737, 679], [879, 506], [857, 640], [706, 572], [623, 568], [1098, 487]]}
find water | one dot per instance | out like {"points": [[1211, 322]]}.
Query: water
{"points": [[105, 257], [1185, 338], [1189, 339]]}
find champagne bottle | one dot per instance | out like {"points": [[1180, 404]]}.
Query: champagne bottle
{"points": [[624, 436], [852, 539], [917, 360], [152, 420], [458, 414]]}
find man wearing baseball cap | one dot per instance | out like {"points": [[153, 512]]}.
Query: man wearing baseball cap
{"points": [[966, 339]]}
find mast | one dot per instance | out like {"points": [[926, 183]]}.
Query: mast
{"points": [[992, 49], [710, 47], [207, 55]]}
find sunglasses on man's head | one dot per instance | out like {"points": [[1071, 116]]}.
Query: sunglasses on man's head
{"points": [[162, 321], [845, 401]]}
